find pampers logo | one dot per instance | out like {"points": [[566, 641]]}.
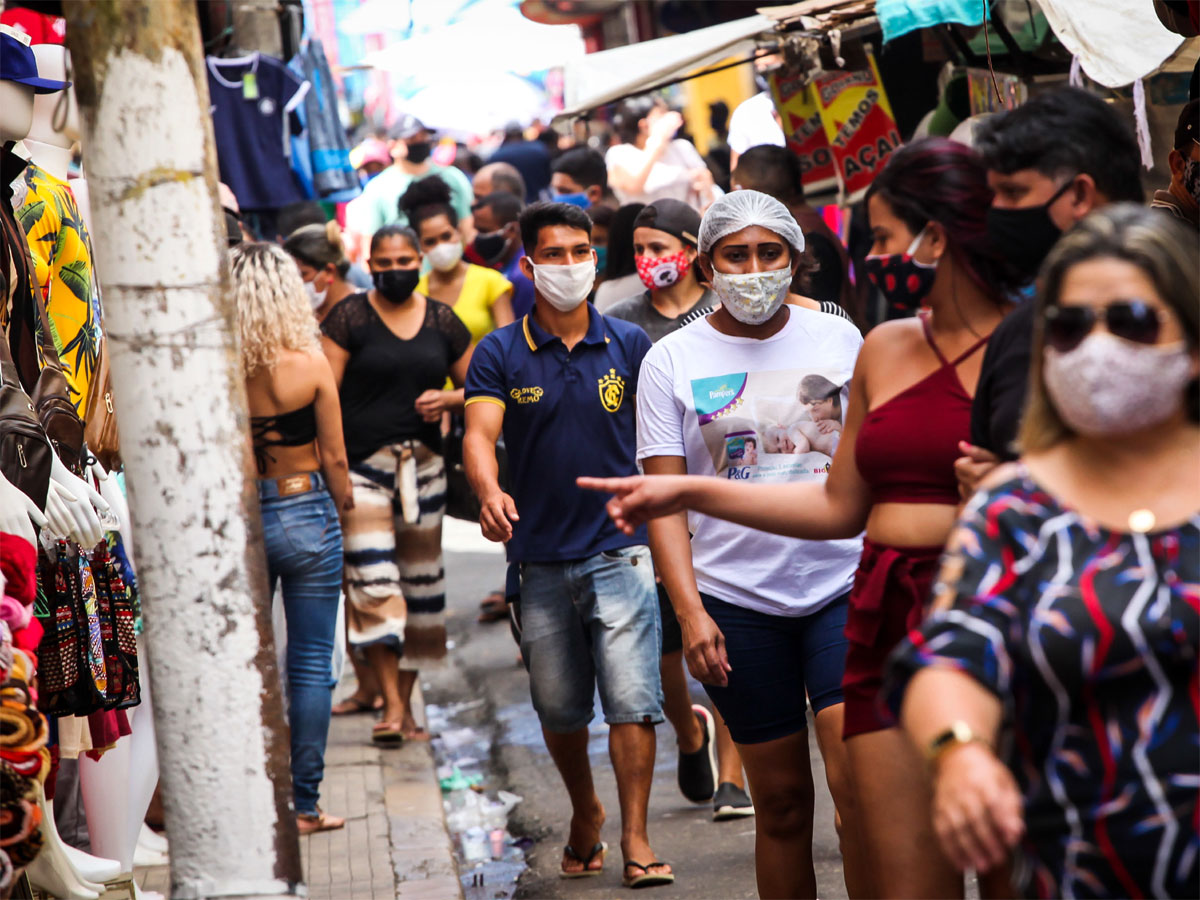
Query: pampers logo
{"points": [[718, 396]]}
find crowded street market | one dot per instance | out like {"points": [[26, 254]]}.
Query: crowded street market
{"points": [[477, 449]]}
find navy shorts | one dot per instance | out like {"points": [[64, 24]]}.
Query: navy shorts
{"points": [[777, 661]]}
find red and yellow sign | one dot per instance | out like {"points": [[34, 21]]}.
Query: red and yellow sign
{"points": [[797, 106], [858, 125]]}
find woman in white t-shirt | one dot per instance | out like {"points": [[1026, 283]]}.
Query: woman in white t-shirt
{"points": [[762, 617], [651, 163]]}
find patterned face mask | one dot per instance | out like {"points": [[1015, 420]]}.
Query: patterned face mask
{"points": [[662, 271], [753, 297], [903, 281], [1110, 386]]}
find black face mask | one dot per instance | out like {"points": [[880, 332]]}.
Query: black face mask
{"points": [[418, 151], [491, 247], [396, 285], [1024, 236]]}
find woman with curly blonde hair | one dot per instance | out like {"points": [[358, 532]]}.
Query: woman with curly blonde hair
{"points": [[303, 483]]}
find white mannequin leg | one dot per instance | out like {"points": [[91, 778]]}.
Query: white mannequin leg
{"points": [[93, 869], [117, 788], [152, 840], [52, 870]]}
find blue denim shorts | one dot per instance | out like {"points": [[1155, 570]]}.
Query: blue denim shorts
{"points": [[776, 662], [592, 623]]}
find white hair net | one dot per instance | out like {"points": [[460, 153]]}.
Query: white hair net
{"points": [[741, 209]]}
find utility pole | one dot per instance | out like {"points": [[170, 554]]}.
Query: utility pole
{"points": [[140, 79]]}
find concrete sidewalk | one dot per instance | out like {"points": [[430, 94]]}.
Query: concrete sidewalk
{"points": [[395, 843]]}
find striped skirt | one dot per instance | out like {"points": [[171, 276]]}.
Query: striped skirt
{"points": [[395, 583]]}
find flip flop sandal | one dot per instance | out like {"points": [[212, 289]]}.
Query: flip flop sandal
{"points": [[307, 823], [387, 734], [352, 706], [417, 734], [598, 849], [647, 878]]}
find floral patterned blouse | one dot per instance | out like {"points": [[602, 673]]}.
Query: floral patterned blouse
{"points": [[62, 256], [1090, 639]]}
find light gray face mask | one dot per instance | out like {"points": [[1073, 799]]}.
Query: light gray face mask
{"points": [[565, 287], [1109, 386], [753, 297], [315, 297]]}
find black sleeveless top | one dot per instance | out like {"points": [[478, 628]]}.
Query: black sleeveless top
{"points": [[289, 429]]}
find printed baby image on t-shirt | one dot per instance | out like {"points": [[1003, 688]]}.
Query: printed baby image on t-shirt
{"points": [[782, 425]]}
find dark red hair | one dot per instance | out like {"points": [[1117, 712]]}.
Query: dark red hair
{"points": [[943, 181]]}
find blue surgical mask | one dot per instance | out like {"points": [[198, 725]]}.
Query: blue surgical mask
{"points": [[579, 199], [601, 258]]}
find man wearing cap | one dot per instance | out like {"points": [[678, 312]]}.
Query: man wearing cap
{"points": [[664, 247], [411, 148], [1182, 196]]}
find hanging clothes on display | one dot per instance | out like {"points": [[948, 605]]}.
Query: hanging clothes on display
{"points": [[333, 177], [253, 101], [62, 255], [24, 758], [89, 653]]}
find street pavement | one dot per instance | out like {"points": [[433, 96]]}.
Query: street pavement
{"points": [[711, 859]]}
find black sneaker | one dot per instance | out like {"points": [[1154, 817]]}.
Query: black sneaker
{"points": [[731, 802], [697, 771]]}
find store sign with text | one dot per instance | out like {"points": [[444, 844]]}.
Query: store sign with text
{"points": [[797, 106], [858, 123]]}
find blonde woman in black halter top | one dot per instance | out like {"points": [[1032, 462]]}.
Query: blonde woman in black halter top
{"points": [[303, 485]]}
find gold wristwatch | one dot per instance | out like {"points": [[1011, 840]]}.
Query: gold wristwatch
{"points": [[956, 735]]}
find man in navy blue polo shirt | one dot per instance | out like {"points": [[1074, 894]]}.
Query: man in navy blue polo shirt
{"points": [[561, 384]]}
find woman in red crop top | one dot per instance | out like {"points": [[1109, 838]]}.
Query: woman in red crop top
{"points": [[893, 473]]}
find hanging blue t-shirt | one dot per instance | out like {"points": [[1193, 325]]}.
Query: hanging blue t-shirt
{"points": [[252, 101]]}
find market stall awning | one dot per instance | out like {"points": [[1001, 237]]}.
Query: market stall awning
{"points": [[600, 78]]}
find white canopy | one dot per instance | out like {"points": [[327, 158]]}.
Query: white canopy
{"points": [[495, 39], [600, 78]]}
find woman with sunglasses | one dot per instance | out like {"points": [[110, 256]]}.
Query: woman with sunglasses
{"points": [[892, 473], [1053, 688]]}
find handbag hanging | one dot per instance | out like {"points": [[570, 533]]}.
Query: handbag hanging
{"points": [[25, 454], [52, 400], [72, 676], [116, 630], [100, 424]]}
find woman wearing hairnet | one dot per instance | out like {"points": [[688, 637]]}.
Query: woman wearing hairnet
{"points": [[762, 616], [909, 407]]}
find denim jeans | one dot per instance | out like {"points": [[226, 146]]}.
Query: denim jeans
{"points": [[304, 551], [592, 623]]}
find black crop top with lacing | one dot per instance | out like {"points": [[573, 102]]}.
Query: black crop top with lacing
{"points": [[289, 429]]}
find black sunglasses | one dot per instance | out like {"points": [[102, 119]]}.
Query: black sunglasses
{"points": [[1133, 320]]}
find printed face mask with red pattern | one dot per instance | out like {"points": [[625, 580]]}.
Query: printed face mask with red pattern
{"points": [[662, 271], [902, 280]]}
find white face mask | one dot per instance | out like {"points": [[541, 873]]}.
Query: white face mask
{"points": [[315, 297], [564, 287], [753, 297], [445, 257], [1110, 386]]}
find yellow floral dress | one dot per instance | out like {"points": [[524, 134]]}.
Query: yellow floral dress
{"points": [[62, 257]]}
